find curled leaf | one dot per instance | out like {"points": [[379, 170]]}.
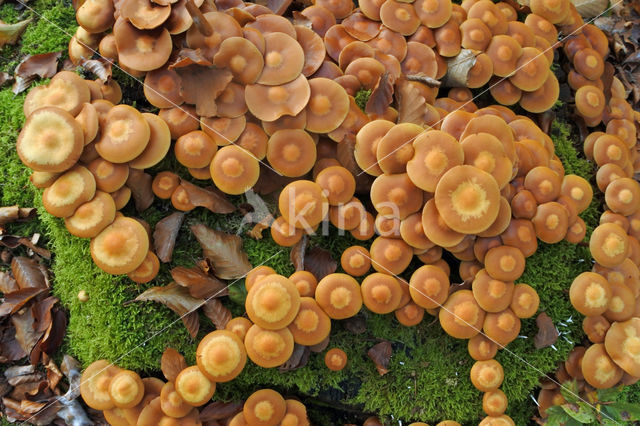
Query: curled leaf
{"points": [[139, 183], [219, 314], [165, 234], [9, 33], [172, 363], [297, 253], [381, 96], [186, 57], [298, 358], [100, 67], [14, 301], [200, 285], [547, 332], [380, 354], [27, 273], [319, 262], [458, 69], [212, 201], [43, 65], [224, 251], [220, 410]]}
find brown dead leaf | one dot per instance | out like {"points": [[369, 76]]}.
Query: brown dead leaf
{"points": [[410, 103], [10, 349], [212, 201], [14, 241], [100, 67], [219, 314], [356, 324], [14, 301], [54, 335], [319, 347], [42, 313], [15, 213], [165, 234], [220, 410], [547, 332], [200, 285], [381, 96], [345, 155], [176, 298], [319, 262], [201, 86], [26, 335], [270, 181], [27, 273], [172, 363], [298, 358], [7, 283], [297, 253], [5, 387], [29, 389], [139, 183], [224, 251], [9, 33], [5, 77], [607, 79], [380, 354], [186, 57], [54, 375], [43, 65]]}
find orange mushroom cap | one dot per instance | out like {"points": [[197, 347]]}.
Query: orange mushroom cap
{"points": [[273, 302], [291, 152], [390, 255], [335, 359], [234, 170], [609, 245], [551, 222], [491, 294], [381, 293], [221, 356], [121, 247], [501, 327], [69, 191], [590, 294], [328, 105], [461, 316], [90, 218], [622, 343], [194, 387], [302, 203], [311, 324], [141, 50], [265, 407], [268, 348], [126, 389], [94, 384], [598, 368], [429, 286], [269, 103], [487, 375], [481, 348], [339, 296], [525, 301]]}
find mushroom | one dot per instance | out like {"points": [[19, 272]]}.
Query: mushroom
{"points": [[283, 59], [164, 184], [147, 270], [339, 296], [195, 149], [481, 348], [313, 48], [264, 408], [504, 263], [435, 228], [50, 141], [598, 368], [622, 304], [461, 316], [242, 58], [525, 301], [305, 282], [141, 50], [505, 51], [366, 147], [412, 232], [433, 13], [487, 375], [448, 39], [273, 302], [268, 348], [395, 148], [588, 63], [381, 293], [94, 384], [90, 218], [531, 70], [284, 234], [590, 294], [121, 197], [410, 314], [109, 177], [365, 229], [624, 129], [70, 190], [490, 14], [95, 16], [321, 18], [335, 359], [239, 326], [609, 245], [358, 25], [234, 170], [125, 135], [269, 103], [303, 204], [162, 88], [311, 324], [524, 205], [223, 130], [158, 145], [291, 152], [551, 222], [578, 190], [542, 99], [338, 184], [590, 101], [622, 345], [121, 247], [256, 274], [221, 356], [486, 152], [399, 17], [224, 26], [327, 107], [356, 261], [475, 34], [390, 255], [494, 403], [491, 294], [171, 403], [501, 327], [296, 414], [126, 389], [623, 196], [395, 195], [194, 387]]}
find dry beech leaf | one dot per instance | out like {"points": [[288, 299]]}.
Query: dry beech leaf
{"points": [[176, 298], [42, 313], [139, 183], [100, 67], [607, 79], [297, 253], [29, 389], [380, 354], [43, 65], [200, 86], [27, 273], [298, 358], [16, 214], [356, 325], [224, 251], [165, 234], [5, 77], [14, 301], [54, 375], [219, 314], [318, 261], [410, 103], [7, 283], [9, 33], [458, 69], [54, 335], [220, 410], [187, 57], [26, 335], [381, 96], [10, 349], [210, 200], [200, 285], [172, 363], [13, 241], [319, 347], [547, 332], [345, 156]]}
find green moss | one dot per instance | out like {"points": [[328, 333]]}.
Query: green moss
{"points": [[362, 97]]}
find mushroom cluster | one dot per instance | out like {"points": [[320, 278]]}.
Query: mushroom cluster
{"points": [[126, 399]]}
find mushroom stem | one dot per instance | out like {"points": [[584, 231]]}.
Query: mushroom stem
{"points": [[198, 19]]}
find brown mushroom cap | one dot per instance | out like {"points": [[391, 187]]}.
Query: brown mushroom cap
{"points": [[490, 14], [327, 107], [436, 152], [302, 203], [501, 327], [121, 247], [544, 184], [467, 199], [338, 183], [194, 387], [480, 348], [283, 59], [242, 58], [195, 149], [589, 63], [395, 149], [158, 146], [269, 103], [50, 141], [622, 304], [523, 205], [339, 296], [542, 99], [172, 403], [412, 232], [66, 90], [365, 230], [291, 152], [436, 229], [596, 328], [623, 196], [311, 324], [525, 301], [109, 177], [433, 13], [475, 34], [125, 136], [399, 17], [265, 407], [598, 368], [531, 70], [366, 148], [410, 314], [256, 274], [390, 255], [69, 191], [268, 348], [273, 302], [95, 16], [164, 183], [234, 170], [491, 294], [505, 51], [162, 88], [486, 152], [461, 316], [94, 384], [335, 359], [551, 222], [590, 294], [358, 25], [239, 326], [381, 293], [356, 261], [90, 218], [622, 343], [609, 245], [221, 356], [579, 190], [429, 286], [610, 149], [147, 270], [487, 375], [590, 101], [305, 282], [126, 389], [395, 195], [285, 234], [448, 39], [141, 50]]}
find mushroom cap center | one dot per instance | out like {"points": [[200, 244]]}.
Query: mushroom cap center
{"points": [[485, 161], [340, 297], [613, 245], [392, 252], [507, 263], [264, 410], [552, 221], [497, 288], [269, 344], [305, 203], [465, 313], [625, 196], [506, 322], [237, 63], [576, 193], [277, 94], [591, 61], [504, 53], [431, 287], [592, 99], [274, 59], [320, 105], [291, 152], [307, 320], [595, 295], [114, 242], [335, 184], [381, 293], [477, 35], [469, 200], [398, 196], [356, 260], [430, 6], [402, 14], [232, 167]]}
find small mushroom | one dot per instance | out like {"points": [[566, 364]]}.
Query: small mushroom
{"points": [[598, 368], [622, 344], [70, 190], [381, 293], [609, 245], [429, 286], [525, 301], [311, 324], [461, 316], [339, 296], [126, 389], [291, 152], [90, 218], [501, 327], [492, 295], [285, 234], [305, 282], [303, 204], [265, 407], [273, 302], [487, 375], [335, 359], [194, 387], [234, 170], [551, 222], [94, 384], [590, 294], [481, 348], [268, 348], [121, 247], [221, 356]]}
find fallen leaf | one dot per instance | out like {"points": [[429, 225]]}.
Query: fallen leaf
{"points": [[14, 241], [5, 77], [607, 80], [13, 373], [219, 314], [42, 313], [54, 375], [298, 358], [297, 253], [172, 363], [9, 33], [28, 389], [458, 69], [200, 285], [176, 298], [165, 234], [15, 213], [54, 335], [10, 349], [5, 387], [356, 324], [43, 65], [191, 322], [100, 67], [547, 332], [26, 335], [186, 57], [345, 156], [201, 86], [380, 354], [27, 273], [7, 283], [319, 262], [200, 197], [410, 103], [14, 301], [224, 251], [381, 96], [319, 347], [220, 410], [139, 183]]}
